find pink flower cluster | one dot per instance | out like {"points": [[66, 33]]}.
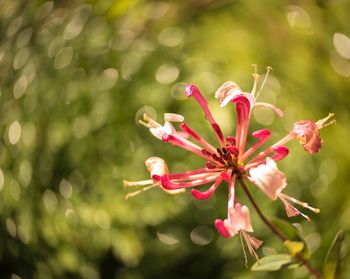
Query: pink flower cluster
{"points": [[231, 160]]}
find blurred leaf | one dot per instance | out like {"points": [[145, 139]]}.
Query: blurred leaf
{"points": [[294, 247], [294, 237], [293, 266], [333, 261], [272, 262]]}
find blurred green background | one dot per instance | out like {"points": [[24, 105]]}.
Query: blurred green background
{"points": [[76, 76]]}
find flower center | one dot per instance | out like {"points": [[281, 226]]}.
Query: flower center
{"points": [[227, 157]]}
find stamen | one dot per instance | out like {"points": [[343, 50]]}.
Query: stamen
{"points": [[249, 243], [291, 210], [137, 183], [303, 204], [256, 77], [149, 122], [268, 69], [133, 194], [243, 248], [322, 123]]}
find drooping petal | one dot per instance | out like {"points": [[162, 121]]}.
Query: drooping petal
{"points": [[268, 178], [308, 135]]}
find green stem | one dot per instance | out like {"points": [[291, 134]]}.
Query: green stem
{"points": [[278, 233]]}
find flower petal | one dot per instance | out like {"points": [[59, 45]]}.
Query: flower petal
{"points": [[308, 135], [221, 227], [226, 92], [157, 168], [173, 117], [281, 151], [268, 178]]}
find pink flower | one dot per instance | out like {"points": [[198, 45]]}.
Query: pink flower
{"points": [[238, 221], [230, 159]]}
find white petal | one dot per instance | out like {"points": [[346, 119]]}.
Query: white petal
{"points": [[173, 117]]}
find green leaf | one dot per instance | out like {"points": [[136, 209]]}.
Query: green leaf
{"points": [[272, 262], [296, 241], [332, 264]]}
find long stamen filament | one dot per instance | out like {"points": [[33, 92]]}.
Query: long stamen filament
{"points": [[268, 69], [148, 122], [256, 77], [133, 194], [137, 183], [243, 248]]}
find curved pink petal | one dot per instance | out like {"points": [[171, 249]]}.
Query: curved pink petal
{"points": [[209, 193], [192, 90], [281, 151], [261, 134], [221, 228]]}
